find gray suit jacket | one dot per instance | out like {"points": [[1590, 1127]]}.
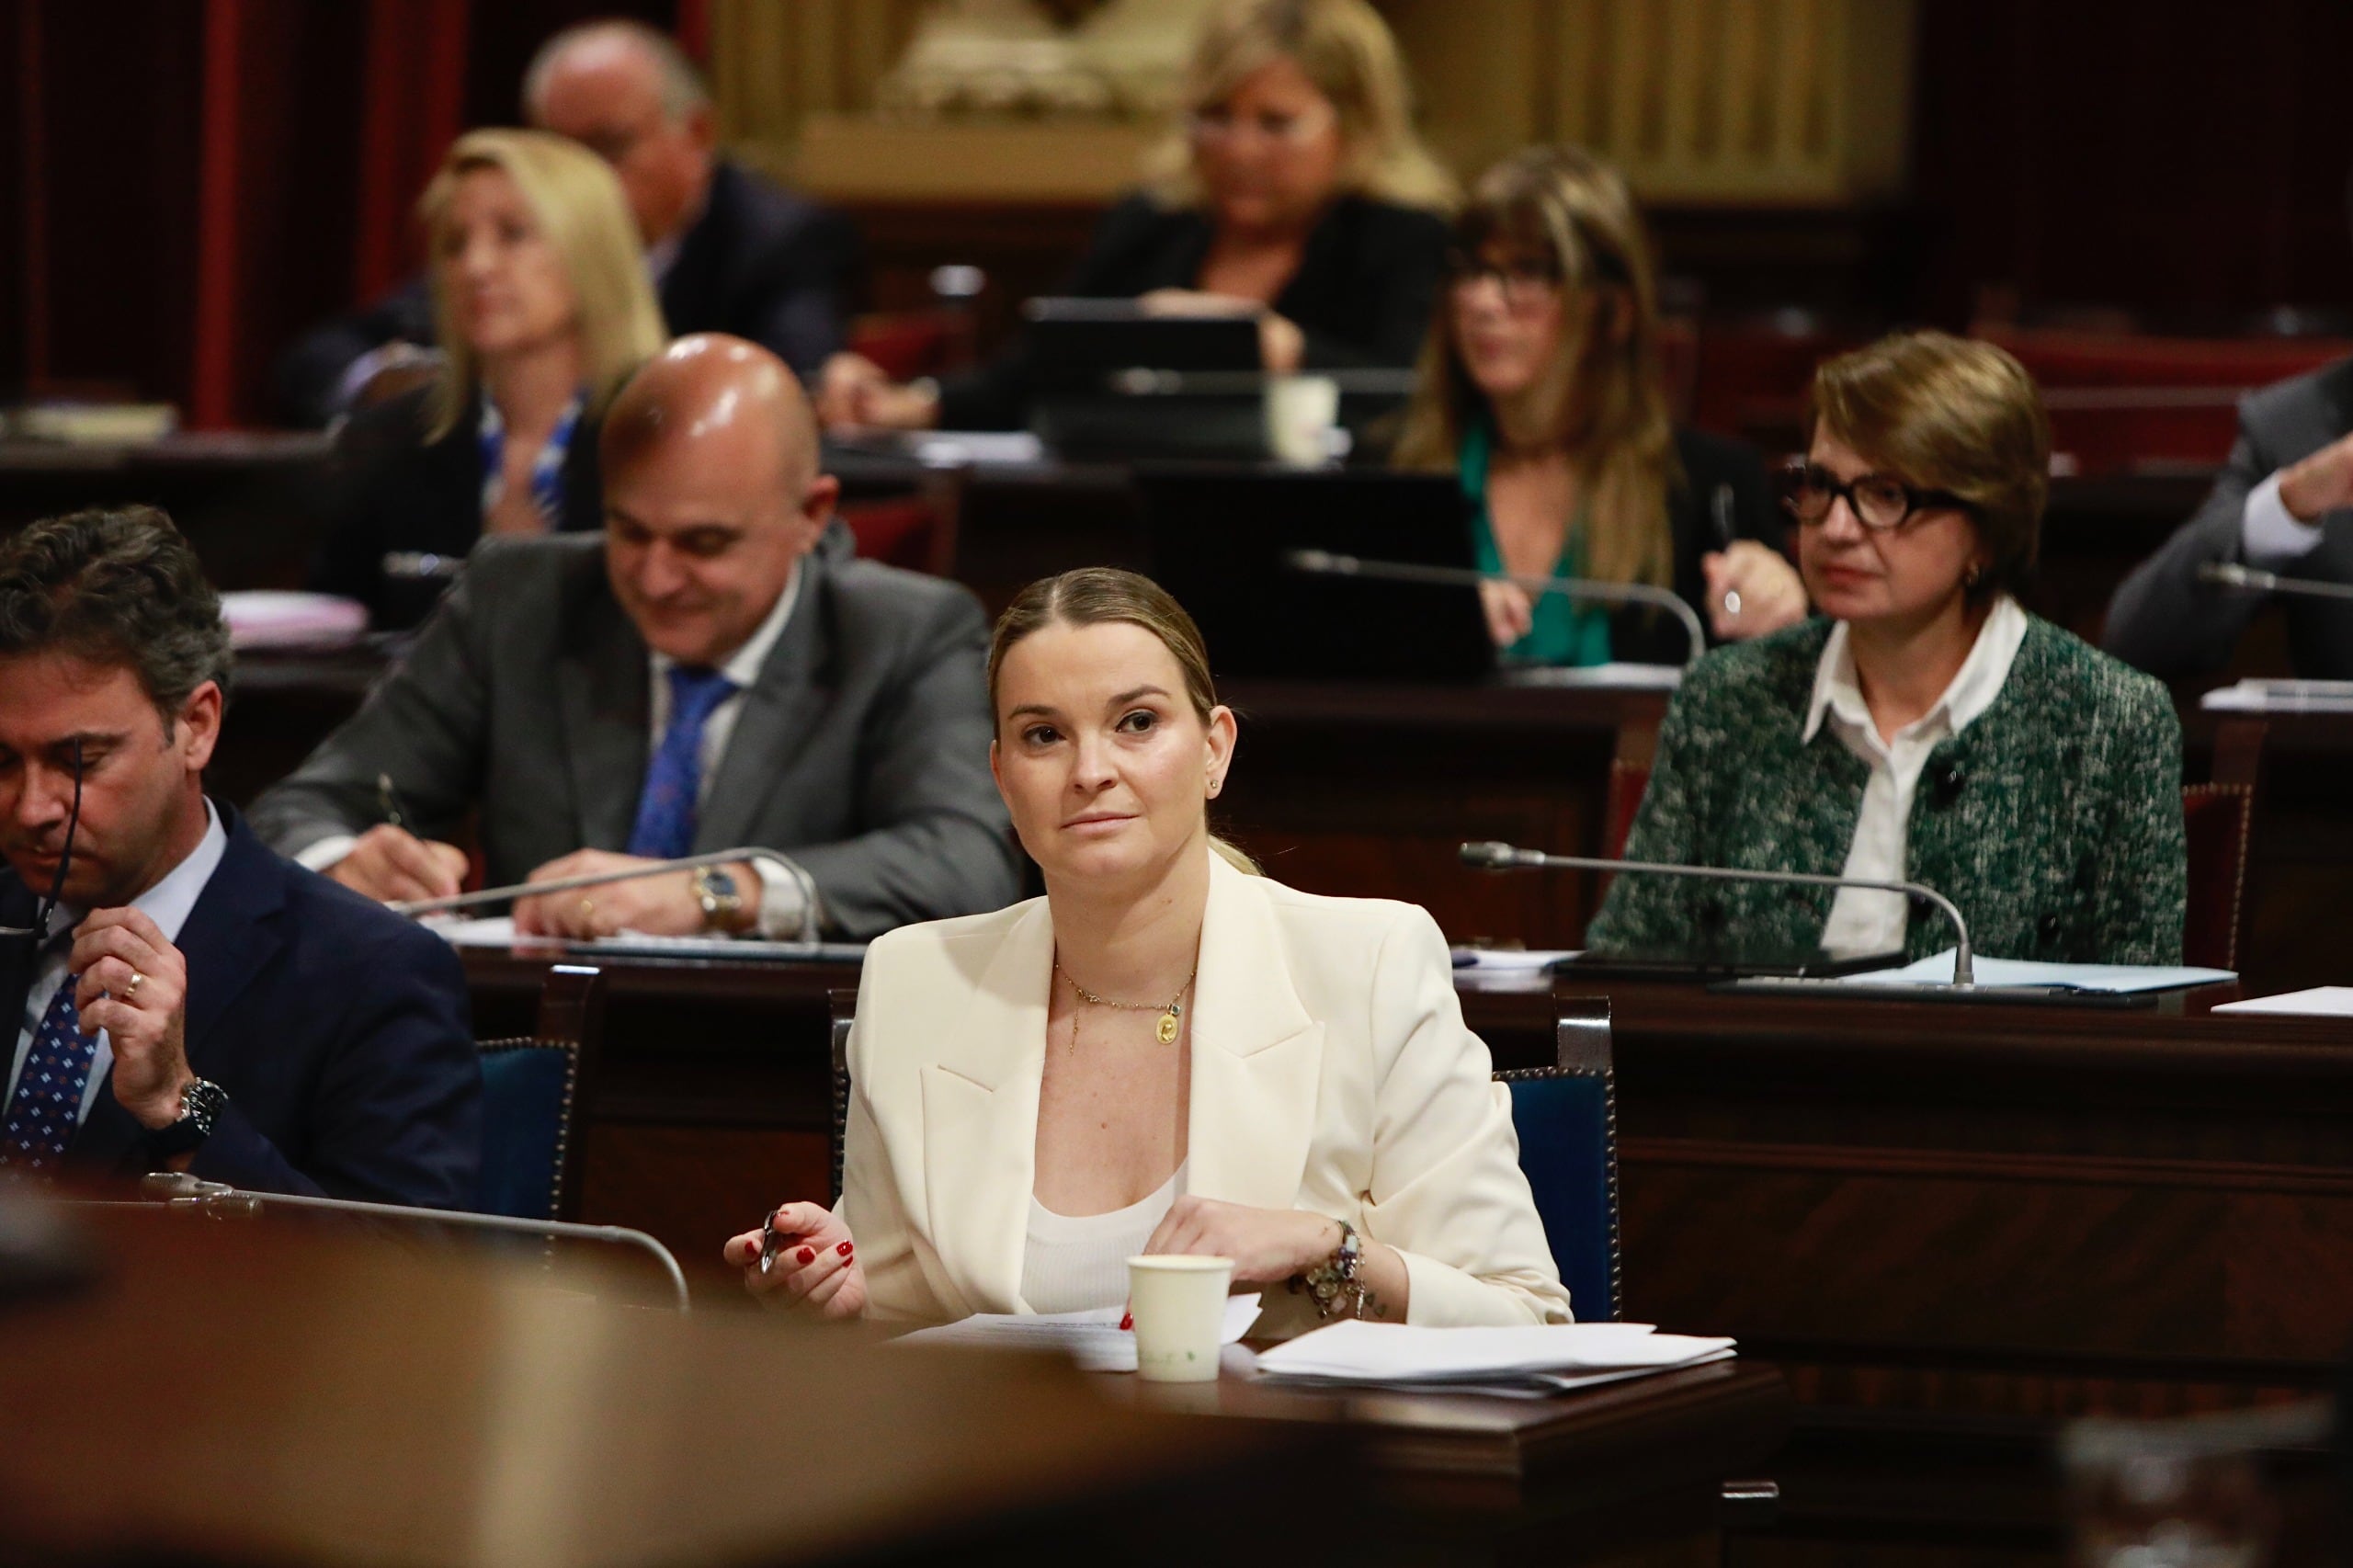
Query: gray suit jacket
{"points": [[861, 752], [2167, 621]]}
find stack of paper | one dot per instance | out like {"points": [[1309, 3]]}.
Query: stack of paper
{"points": [[2320, 1002], [1093, 1339], [1532, 1360], [2118, 978]]}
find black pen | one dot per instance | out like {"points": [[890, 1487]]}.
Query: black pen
{"points": [[390, 800]]}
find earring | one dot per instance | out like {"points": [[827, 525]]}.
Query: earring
{"points": [[1215, 785], [1975, 575]]}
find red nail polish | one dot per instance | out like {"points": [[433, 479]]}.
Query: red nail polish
{"points": [[1127, 1320], [807, 1255], [843, 1249]]}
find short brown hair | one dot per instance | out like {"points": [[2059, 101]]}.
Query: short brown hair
{"points": [[1954, 413], [118, 587], [1099, 595]]}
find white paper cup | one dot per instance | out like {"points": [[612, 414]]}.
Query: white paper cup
{"points": [[1300, 413], [1179, 1303]]}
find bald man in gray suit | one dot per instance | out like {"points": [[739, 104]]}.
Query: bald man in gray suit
{"points": [[716, 669]]}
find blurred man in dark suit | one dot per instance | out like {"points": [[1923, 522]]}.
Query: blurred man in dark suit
{"points": [[728, 250], [176, 996]]}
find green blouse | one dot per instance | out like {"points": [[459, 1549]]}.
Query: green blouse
{"points": [[1561, 631]]}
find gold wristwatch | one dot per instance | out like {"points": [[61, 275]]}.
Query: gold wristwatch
{"points": [[721, 901]]}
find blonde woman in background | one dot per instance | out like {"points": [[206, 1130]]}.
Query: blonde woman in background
{"points": [[1296, 187], [1540, 384], [542, 308]]}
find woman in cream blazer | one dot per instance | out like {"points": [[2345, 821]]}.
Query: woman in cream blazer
{"points": [[1321, 1071]]}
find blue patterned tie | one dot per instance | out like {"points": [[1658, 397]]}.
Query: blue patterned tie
{"points": [[665, 809], [47, 1106]]}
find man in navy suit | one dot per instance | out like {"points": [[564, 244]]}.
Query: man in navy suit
{"points": [[176, 996], [728, 250]]}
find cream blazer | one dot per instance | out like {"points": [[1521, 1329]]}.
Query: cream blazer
{"points": [[1331, 1071]]}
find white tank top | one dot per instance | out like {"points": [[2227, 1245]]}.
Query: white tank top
{"points": [[1077, 1263]]}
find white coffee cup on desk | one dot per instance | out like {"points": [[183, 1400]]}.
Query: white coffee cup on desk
{"points": [[1302, 412], [1178, 1305]]}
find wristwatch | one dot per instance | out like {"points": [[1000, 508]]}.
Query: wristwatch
{"points": [[201, 1107], [722, 900]]}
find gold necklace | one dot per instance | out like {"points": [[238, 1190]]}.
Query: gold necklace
{"points": [[1169, 1015]]}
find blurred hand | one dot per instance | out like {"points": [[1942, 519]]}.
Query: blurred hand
{"points": [[390, 863], [816, 1269], [1510, 611], [134, 984], [1771, 593], [2321, 483], [661, 905], [1268, 1245], [854, 392]]}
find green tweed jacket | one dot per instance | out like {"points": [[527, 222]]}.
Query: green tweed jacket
{"points": [[2054, 821]]}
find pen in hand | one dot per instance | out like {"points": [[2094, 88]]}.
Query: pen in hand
{"points": [[1719, 513], [389, 799]]}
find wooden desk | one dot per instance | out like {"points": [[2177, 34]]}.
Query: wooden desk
{"points": [[252, 503], [1951, 1225], [240, 1392], [330, 1400], [2301, 863]]}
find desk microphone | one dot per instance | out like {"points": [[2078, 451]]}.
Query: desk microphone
{"points": [[1327, 563], [1494, 856], [416, 907], [176, 1189], [2231, 574]]}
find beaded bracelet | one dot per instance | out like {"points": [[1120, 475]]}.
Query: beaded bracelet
{"points": [[1334, 1283]]}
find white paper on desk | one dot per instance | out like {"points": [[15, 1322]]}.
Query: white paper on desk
{"points": [[979, 448], [1511, 960], [460, 931], [2280, 697], [2320, 1002], [1395, 1353], [1613, 675], [1093, 1339], [2118, 978], [271, 618], [639, 944]]}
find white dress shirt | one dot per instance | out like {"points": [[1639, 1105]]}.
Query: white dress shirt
{"points": [[1863, 921], [2271, 534], [784, 911], [167, 903]]}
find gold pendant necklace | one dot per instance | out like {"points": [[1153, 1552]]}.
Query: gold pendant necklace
{"points": [[1169, 1015]]}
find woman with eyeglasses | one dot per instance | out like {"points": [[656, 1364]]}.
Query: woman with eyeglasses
{"points": [[1927, 729], [1540, 386], [1295, 189]]}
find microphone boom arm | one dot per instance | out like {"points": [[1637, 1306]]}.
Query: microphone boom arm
{"points": [[1490, 855], [1330, 563], [2230, 574], [414, 906]]}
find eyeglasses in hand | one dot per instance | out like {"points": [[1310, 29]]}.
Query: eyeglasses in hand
{"points": [[46, 908]]}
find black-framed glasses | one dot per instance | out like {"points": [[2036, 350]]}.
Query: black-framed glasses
{"points": [[45, 908], [1879, 502], [1525, 282]]}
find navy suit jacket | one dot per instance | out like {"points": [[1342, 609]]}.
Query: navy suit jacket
{"points": [[339, 1030]]}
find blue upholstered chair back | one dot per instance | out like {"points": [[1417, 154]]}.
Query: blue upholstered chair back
{"points": [[1566, 1116], [526, 1093]]}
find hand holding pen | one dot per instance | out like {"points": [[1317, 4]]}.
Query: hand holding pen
{"points": [[1751, 588], [389, 862], [801, 1255]]}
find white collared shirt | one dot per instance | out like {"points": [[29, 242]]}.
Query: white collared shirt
{"points": [[2270, 534], [783, 910], [1862, 921], [168, 904]]}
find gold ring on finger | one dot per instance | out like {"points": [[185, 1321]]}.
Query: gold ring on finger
{"points": [[131, 990]]}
